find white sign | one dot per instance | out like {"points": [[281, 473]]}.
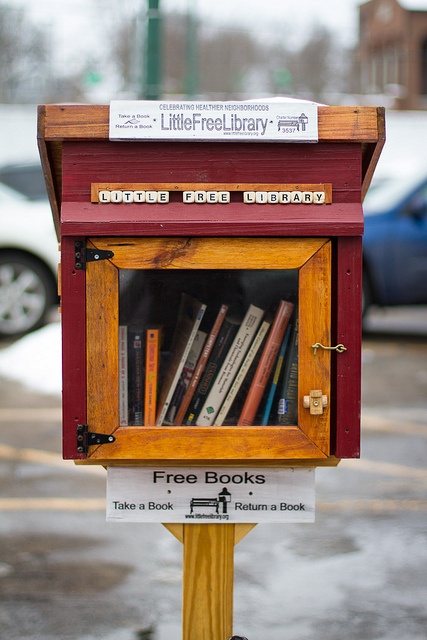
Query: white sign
{"points": [[282, 121], [210, 494]]}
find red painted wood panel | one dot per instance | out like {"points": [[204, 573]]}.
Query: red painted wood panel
{"points": [[73, 306], [347, 365], [86, 162], [211, 220]]}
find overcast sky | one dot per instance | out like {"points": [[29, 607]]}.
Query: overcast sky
{"points": [[75, 27], [268, 18]]}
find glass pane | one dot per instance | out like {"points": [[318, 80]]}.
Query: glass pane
{"points": [[183, 309]]}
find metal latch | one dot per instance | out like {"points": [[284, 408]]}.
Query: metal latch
{"points": [[82, 255], [86, 438], [340, 348], [316, 402]]}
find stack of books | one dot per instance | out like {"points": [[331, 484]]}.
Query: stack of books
{"points": [[239, 371]]}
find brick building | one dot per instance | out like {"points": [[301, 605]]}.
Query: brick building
{"points": [[393, 51]]}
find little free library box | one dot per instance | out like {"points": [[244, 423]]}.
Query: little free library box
{"points": [[211, 261]]}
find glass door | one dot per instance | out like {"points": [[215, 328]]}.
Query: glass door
{"points": [[202, 348]]}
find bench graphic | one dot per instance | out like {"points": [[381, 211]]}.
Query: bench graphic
{"points": [[294, 123], [204, 502], [224, 497]]}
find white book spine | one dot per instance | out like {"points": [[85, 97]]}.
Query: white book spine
{"points": [[230, 367], [242, 373]]}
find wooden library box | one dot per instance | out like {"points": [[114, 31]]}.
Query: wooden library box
{"points": [[210, 289]]}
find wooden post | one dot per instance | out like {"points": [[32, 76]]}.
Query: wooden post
{"points": [[208, 575]]}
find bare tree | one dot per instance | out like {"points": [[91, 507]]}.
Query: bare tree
{"points": [[227, 57], [24, 57], [174, 53], [227, 62], [317, 67], [123, 42]]}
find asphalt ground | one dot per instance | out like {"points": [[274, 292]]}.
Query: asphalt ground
{"points": [[358, 572]]}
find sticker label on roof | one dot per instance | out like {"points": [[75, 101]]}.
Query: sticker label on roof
{"points": [[251, 121]]}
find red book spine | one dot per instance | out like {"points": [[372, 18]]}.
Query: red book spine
{"points": [[266, 363], [201, 364]]}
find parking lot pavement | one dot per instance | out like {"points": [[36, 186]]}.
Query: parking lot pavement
{"points": [[358, 572]]}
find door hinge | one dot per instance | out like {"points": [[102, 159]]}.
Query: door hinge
{"points": [[82, 255], [86, 438]]}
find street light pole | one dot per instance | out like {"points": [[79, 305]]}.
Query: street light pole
{"points": [[191, 54], [153, 61]]}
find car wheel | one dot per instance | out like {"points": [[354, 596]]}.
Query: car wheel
{"points": [[27, 293]]}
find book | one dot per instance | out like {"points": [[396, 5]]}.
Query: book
{"points": [[276, 376], [190, 315], [230, 367], [287, 406], [241, 374], [201, 364], [135, 375], [123, 376], [239, 401], [223, 342], [186, 373], [266, 363], [152, 363]]}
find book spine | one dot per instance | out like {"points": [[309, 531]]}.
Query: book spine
{"points": [[242, 373], [222, 345], [287, 408], [153, 338], [135, 376], [185, 377], [277, 371], [180, 366], [201, 364], [228, 371], [123, 377], [266, 363]]}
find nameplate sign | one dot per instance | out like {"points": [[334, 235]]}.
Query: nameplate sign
{"points": [[190, 193], [281, 121], [210, 494]]}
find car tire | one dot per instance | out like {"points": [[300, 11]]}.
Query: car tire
{"points": [[27, 293]]}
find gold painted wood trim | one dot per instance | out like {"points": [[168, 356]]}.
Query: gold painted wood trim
{"points": [[308, 441], [240, 530], [176, 529], [224, 444], [330, 461], [210, 253], [314, 301], [102, 360], [91, 122]]}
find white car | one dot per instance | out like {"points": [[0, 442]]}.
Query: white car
{"points": [[28, 251]]}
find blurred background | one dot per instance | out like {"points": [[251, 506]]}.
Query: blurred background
{"points": [[359, 571], [345, 52], [90, 50]]}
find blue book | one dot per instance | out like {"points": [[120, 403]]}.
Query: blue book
{"points": [[287, 405], [277, 371]]}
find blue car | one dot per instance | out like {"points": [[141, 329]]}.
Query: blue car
{"points": [[395, 242]]}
